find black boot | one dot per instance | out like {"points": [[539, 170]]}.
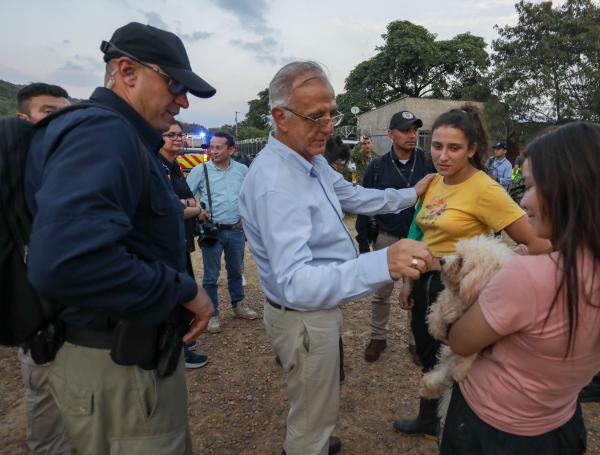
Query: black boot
{"points": [[427, 423]]}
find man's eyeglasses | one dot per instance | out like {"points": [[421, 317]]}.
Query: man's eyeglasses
{"points": [[323, 122], [175, 88], [173, 136]]}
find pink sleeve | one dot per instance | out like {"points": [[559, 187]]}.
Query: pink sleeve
{"points": [[508, 302]]}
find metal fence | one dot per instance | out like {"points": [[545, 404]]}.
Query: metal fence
{"points": [[251, 147], [382, 143]]}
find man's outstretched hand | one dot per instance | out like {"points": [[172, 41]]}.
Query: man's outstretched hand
{"points": [[408, 258]]}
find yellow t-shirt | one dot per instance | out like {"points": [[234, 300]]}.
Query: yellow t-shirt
{"points": [[451, 213]]}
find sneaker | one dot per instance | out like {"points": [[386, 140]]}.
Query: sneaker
{"points": [[192, 345], [193, 360], [243, 280], [214, 325], [242, 311], [374, 350]]}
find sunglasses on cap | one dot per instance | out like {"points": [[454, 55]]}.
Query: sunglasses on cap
{"points": [[175, 88]]}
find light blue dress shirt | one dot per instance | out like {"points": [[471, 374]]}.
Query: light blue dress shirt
{"points": [[225, 187], [502, 170], [292, 214]]}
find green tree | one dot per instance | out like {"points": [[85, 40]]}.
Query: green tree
{"points": [[258, 111], [251, 132], [413, 63], [546, 67], [8, 98]]}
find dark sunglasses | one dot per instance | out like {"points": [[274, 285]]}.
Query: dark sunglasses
{"points": [[175, 88]]}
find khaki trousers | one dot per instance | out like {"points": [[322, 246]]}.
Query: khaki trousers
{"points": [[380, 305], [110, 409], [45, 430], [308, 345]]}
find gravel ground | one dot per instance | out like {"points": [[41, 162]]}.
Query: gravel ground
{"points": [[238, 404]]}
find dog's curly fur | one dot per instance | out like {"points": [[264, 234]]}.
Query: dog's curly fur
{"points": [[464, 275]]}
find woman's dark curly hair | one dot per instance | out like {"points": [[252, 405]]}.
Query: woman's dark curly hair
{"points": [[469, 120]]}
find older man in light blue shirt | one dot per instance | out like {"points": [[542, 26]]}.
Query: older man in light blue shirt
{"points": [[225, 178], [292, 207]]}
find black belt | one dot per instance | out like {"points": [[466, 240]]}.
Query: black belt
{"points": [[279, 307], [98, 339], [237, 225]]}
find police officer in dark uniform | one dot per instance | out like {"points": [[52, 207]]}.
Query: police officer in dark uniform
{"points": [[402, 167], [107, 248]]}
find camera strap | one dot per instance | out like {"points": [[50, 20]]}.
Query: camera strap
{"points": [[208, 191]]}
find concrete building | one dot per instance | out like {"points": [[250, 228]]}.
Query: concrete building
{"points": [[375, 123]]}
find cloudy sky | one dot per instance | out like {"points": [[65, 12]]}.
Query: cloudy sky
{"points": [[236, 45]]}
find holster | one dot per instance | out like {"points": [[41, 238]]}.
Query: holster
{"points": [[148, 347], [46, 342], [373, 230], [170, 340], [134, 344]]}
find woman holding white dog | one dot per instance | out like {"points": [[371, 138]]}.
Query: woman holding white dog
{"points": [[540, 335], [461, 202]]}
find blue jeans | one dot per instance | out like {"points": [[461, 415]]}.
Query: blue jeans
{"points": [[232, 242]]}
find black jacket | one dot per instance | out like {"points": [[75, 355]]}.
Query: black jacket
{"points": [[107, 240], [387, 171]]}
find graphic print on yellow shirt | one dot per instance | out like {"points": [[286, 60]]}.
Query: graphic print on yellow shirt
{"points": [[433, 209], [449, 213]]}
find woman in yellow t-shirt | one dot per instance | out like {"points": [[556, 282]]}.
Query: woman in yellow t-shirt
{"points": [[461, 202]]}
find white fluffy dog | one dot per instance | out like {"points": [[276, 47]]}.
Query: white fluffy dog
{"points": [[464, 275]]}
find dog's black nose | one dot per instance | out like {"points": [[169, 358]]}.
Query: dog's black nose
{"points": [[442, 261]]}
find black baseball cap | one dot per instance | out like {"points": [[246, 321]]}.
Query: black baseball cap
{"points": [[403, 120], [500, 145], [152, 45]]}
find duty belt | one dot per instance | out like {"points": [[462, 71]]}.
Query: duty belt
{"points": [[99, 339]]}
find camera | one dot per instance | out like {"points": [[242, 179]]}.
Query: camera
{"points": [[207, 233]]}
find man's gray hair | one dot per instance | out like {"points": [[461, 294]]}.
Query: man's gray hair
{"points": [[280, 88]]}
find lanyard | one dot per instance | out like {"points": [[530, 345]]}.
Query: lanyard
{"points": [[412, 169], [316, 175]]}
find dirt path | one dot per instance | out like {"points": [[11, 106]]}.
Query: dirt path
{"points": [[238, 405]]}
